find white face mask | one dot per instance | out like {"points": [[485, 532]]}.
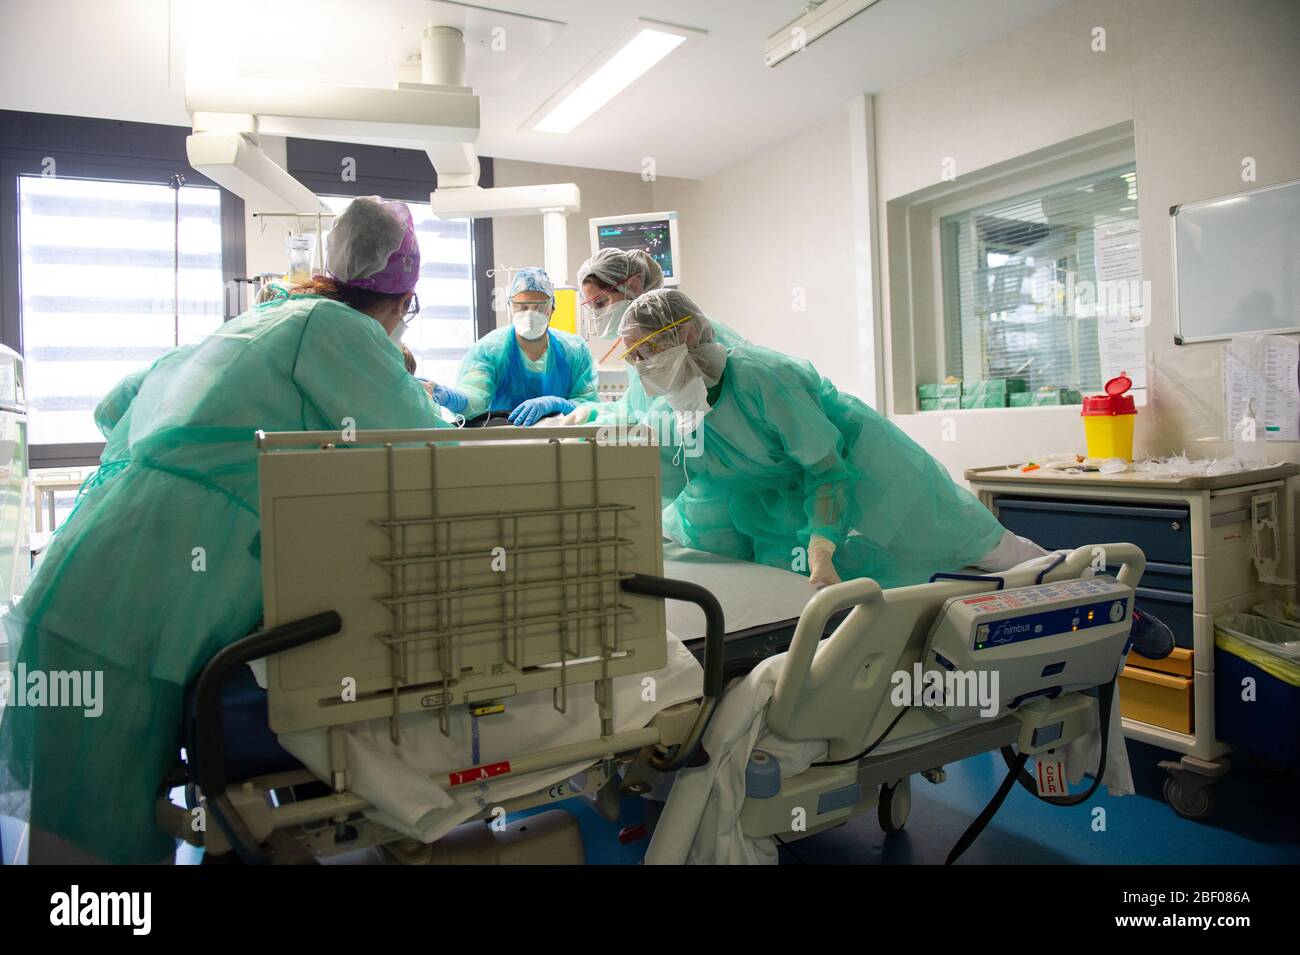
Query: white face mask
{"points": [[531, 323], [672, 374], [691, 403], [397, 333], [605, 321], [663, 372]]}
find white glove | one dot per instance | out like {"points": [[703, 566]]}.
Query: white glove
{"points": [[820, 566]]}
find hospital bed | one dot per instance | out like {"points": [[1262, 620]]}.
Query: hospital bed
{"points": [[430, 583], [761, 606]]}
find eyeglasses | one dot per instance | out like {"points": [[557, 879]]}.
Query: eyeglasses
{"points": [[413, 308], [601, 298]]}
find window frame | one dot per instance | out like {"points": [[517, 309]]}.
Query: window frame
{"points": [[969, 202], [121, 151], [912, 252], [100, 149]]}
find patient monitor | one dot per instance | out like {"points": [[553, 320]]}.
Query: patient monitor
{"points": [[654, 233]]}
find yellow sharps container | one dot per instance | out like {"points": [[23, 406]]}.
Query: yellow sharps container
{"points": [[1108, 420]]}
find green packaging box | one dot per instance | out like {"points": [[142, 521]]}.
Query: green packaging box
{"points": [[940, 404], [995, 387], [939, 391]]}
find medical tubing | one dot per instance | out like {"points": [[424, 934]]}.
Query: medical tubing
{"points": [[1105, 699], [206, 748], [975, 828], [714, 650]]}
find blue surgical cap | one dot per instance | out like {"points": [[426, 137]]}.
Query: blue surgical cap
{"points": [[532, 280]]}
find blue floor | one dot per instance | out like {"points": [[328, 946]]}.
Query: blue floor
{"points": [[1255, 821]]}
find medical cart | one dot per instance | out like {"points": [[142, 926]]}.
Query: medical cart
{"points": [[1214, 545]]}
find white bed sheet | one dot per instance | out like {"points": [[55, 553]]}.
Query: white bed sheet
{"points": [[403, 783], [751, 594]]}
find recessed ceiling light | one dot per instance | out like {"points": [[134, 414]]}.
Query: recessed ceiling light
{"points": [[608, 75]]}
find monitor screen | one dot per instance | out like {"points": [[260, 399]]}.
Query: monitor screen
{"points": [[652, 236]]}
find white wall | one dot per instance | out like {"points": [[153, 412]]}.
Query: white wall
{"points": [[1203, 83], [767, 247]]}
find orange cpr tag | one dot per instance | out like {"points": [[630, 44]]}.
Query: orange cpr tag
{"points": [[1051, 776]]}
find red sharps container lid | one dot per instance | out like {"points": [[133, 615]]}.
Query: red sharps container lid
{"points": [[1114, 401]]}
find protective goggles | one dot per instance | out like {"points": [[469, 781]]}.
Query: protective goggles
{"points": [[637, 344]]}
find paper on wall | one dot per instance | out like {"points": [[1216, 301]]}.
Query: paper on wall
{"points": [[1120, 300], [1121, 347], [1118, 251], [1264, 369]]}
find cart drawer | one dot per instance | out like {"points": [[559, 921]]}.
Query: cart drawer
{"points": [[1156, 698], [1178, 663], [1162, 532]]}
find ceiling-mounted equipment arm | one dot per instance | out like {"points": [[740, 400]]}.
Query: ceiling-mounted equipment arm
{"points": [[234, 161]]}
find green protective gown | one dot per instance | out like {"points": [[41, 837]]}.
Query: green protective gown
{"points": [[488, 371], [158, 567], [782, 455]]}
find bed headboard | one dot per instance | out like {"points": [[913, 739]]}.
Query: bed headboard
{"points": [[469, 567]]}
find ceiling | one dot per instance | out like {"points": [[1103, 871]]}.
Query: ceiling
{"points": [[710, 104]]}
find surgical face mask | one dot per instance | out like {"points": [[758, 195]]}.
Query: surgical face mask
{"points": [[605, 319], [663, 372], [690, 401], [673, 375], [397, 333], [530, 323]]}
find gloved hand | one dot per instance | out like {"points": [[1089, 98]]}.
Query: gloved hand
{"points": [[821, 569], [451, 399], [534, 409]]}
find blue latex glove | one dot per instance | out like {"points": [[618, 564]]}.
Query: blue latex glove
{"points": [[451, 399], [535, 409]]}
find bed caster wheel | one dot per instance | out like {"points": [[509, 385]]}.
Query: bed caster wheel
{"points": [[894, 805], [1189, 802]]}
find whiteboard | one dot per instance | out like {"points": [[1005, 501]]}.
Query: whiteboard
{"points": [[1237, 264]]}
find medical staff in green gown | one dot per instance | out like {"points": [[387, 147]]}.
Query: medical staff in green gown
{"points": [[158, 566], [610, 281], [766, 461]]}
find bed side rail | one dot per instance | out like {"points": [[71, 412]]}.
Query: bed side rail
{"points": [[208, 743], [851, 668]]}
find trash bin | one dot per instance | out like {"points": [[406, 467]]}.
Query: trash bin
{"points": [[1265, 722]]}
